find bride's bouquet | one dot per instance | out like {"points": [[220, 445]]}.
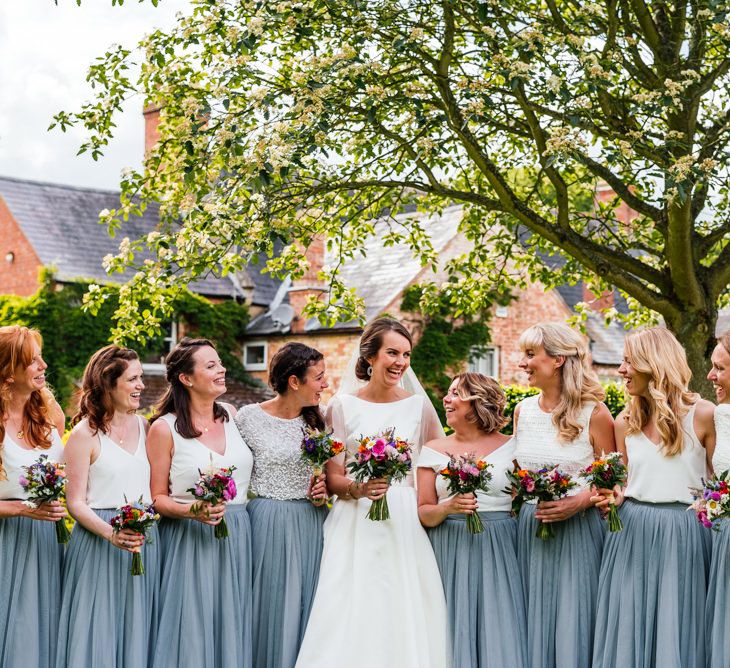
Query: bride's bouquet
{"points": [[45, 481], [466, 474], [381, 456], [318, 447], [545, 484]]}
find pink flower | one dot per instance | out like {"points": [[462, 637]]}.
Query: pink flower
{"points": [[378, 448], [199, 490], [529, 484], [229, 493], [23, 481]]}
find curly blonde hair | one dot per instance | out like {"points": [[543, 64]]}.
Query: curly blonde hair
{"points": [[17, 346], [579, 381], [486, 398], [657, 353]]}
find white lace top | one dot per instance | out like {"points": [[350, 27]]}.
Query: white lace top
{"points": [[494, 498], [656, 478], [721, 456], [537, 444]]}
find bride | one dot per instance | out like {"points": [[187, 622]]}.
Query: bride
{"points": [[379, 600]]}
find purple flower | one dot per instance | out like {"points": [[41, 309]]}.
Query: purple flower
{"points": [[199, 490], [715, 496], [23, 481]]}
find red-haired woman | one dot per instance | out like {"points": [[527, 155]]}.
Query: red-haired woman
{"points": [[106, 613], [30, 556]]}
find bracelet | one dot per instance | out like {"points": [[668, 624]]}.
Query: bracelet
{"points": [[350, 495]]}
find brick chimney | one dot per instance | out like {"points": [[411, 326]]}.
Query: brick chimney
{"points": [[309, 284], [151, 124], [604, 194]]}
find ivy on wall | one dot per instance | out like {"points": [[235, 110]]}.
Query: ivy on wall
{"points": [[71, 334]]}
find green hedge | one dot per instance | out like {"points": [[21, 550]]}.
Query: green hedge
{"points": [[71, 334]]}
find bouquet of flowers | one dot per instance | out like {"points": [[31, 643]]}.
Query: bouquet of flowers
{"points": [[466, 474], [712, 502], [138, 517], [45, 481], [545, 484], [214, 486], [318, 447], [381, 456], [605, 473]]}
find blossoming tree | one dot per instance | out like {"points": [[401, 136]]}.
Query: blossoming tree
{"points": [[313, 117]]}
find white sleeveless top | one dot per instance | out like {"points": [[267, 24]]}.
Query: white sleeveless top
{"points": [[190, 456], [656, 478], [721, 456], [495, 499], [537, 444], [116, 474], [15, 457]]}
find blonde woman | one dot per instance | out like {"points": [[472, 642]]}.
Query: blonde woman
{"points": [[565, 425], [718, 591], [651, 592]]}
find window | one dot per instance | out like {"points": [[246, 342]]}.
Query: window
{"points": [[254, 356], [501, 311], [153, 358], [485, 360]]}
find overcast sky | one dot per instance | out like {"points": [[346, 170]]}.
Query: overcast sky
{"points": [[45, 51]]}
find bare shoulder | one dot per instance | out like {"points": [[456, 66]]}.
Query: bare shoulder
{"points": [[704, 411], [82, 437], [441, 445], [621, 422], [159, 429], [601, 413]]}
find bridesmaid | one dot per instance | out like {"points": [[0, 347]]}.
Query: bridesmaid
{"points": [[651, 592], [718, 591], [480, 573], [30, 556], [566, 425], [286, 528], [106, 613], [205, 593]]}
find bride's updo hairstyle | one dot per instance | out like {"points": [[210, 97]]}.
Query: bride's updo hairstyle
{"points": [[486, 398], [294, 359], [579, 381], [372, 341]]}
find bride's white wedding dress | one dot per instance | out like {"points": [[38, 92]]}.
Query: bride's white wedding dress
{"points": [[379, 600]]}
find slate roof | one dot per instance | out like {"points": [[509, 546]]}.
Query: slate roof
{"points": [[381, 275], [62, 224]]}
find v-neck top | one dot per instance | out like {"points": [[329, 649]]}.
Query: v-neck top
{"points": [[657, 478], [190, 457], [15, 457], [117, 474]]}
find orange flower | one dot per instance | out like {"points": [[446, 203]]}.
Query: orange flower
{"points": [[446, 471], [481, 464], [522, 473]]}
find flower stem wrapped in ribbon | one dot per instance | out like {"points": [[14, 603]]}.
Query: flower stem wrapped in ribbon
{"points": [[214, 486], [712, 501], [318, 447], [466, 474], [138, 517], [605, 473], [545, 484], [45, 481], [381, 456]]}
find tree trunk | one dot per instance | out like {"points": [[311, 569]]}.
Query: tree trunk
{"points": [[696, 332]]}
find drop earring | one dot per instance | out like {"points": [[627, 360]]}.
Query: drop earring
{"points": [[370, 371]]}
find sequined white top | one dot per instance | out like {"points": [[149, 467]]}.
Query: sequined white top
{"points": [[537, 444], [278, 469], [495, 498], [117, 474], [190, 456], [15, 457], [721, 456], [656, 478]]}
